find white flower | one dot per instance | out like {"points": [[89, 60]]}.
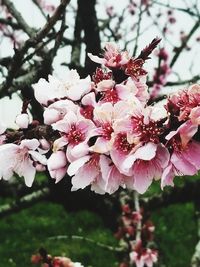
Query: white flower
{"points": [[19, 159], [72, 87]]}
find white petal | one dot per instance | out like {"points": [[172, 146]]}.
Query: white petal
{"points": [[76, 165]]}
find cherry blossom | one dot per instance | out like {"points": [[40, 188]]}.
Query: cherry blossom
{"points": [[20, 159], [72, 87], [57, 165], [113, 57], [103, 130], [75, 132]]}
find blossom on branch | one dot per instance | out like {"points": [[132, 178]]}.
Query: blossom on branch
{"points": [[103, 131]]}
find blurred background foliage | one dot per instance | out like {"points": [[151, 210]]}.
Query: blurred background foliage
{"points": [[23, 233]]}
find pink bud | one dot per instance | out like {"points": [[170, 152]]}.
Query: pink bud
{"points": [[44, 144], [22, 120]]}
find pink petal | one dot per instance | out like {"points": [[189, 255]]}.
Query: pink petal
{"points": [[38, 157], [30, 143], [143, 176], [162, 156], [101, 145], [97, 59], [58, 174], [146, 152], [89, 100], [79, 150], [77, 164], [79, 89], [7, 160], [51, 116], [187, 131], [28, 171], [195, 115], [57, 160], [183, 165], [60, 143], [192, 154], [84, 176]]}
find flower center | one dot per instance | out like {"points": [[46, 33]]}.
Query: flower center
{"points": [[101, 75], [110, 96], [146, 132], [87, 112], [107, 131], [122, 144], [75, 136]]}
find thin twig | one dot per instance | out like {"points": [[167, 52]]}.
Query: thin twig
{"points": [[24, 202], [89, 240], [32, 42], [17, 15], [184, 43]]}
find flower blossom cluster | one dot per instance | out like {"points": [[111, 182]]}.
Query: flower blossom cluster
{"points": [[136, 232], [106, 135], [46, 260]]}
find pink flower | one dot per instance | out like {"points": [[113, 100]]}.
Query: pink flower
{"points": [[62, 262], [97, 171], [185, 155], [76, 132], [72, 87], [58, 110], [142, 125], [57, 165], [112, 179], [184, 102], [20, 159], [121, 151], [133, 88], [142, 256], [36, 259], [88, 103], [147, 163], [113, 57], [85, 170], [195, 115], [134, 68], [104, 117]]}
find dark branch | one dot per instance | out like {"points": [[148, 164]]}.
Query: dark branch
{"points": [[189, 192], [91, 32], [32, 42], [184, 43], [17, 15]]}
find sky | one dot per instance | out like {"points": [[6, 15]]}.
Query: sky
{"points": [[184, 66]]}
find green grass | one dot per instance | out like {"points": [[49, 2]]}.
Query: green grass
{"points": [[176, 234], [23, 233]]}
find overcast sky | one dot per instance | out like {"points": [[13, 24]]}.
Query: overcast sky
{"points": [[34, 18]]}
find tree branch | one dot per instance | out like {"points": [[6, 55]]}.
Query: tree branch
{"points": [[195, 79], [9, 22], [184, 43], [89, 240], [24, 202], [91, 32], [17, 15], [189, 192], [31, 42]]}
